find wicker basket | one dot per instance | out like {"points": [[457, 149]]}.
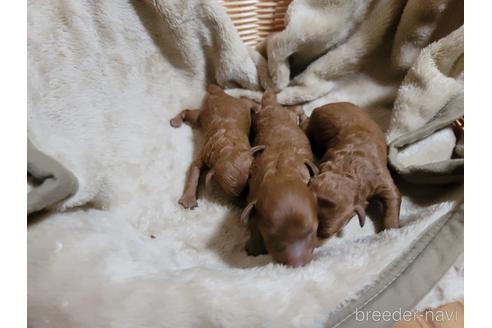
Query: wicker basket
{"points": [[256, 19]]}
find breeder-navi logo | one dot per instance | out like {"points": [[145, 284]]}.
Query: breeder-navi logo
{"points": [[400, 315]]}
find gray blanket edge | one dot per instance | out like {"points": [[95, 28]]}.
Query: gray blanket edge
{"points": [[443, 172], [410, 277], [56, 182]]}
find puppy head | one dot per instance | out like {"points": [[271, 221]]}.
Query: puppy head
{"points": [[286, 217], [336, 202]]}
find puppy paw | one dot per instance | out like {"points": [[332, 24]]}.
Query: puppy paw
{"points": [[176, 122], [188, 202], [254, 249]]}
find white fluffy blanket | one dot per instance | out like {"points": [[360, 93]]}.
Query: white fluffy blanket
{"points": [[104, 79]]}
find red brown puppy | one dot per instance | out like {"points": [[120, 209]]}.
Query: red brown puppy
{"points": [[225, 122], [353, 167], [282, 210]]}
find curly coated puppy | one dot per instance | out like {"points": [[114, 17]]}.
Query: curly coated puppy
{"points": [[353, 167], [225, 122], [282, 210]]}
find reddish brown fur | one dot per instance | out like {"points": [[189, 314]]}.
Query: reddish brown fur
{"points": [[284, 220], [353, 167], [225, 122]]}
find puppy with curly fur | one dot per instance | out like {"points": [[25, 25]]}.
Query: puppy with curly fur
{"points": [[225, 122], [353, 167], [282, 210]]}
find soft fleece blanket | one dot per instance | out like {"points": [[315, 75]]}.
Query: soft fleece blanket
{"points": [[104, 79]]}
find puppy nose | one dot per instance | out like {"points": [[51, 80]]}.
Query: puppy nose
{"points": [[296, 262], [296, 255]]}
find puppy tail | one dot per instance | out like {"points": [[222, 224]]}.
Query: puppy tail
{"points": [[213, 88], [269, 98]]}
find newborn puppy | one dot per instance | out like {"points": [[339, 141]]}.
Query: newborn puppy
{"points": [[225, 122], [353, 167], [282, 210]]}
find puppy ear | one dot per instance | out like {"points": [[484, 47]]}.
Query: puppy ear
{"points": [[313, 169], [256, 149], [246, 214], [208, 178], [361, 213]]}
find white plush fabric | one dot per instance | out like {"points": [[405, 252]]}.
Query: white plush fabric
{"points": [[104, 79], [324, 41], [433, 80]]}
